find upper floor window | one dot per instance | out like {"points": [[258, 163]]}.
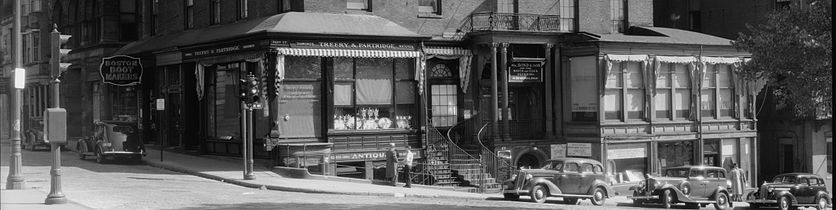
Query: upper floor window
{"points": [[365, 5], [242, 9], [673, 92], [584, 88], [717, 94], [127, 20], [429, 7], [617, 14], [624, 96], [155, 7], [189, 14], [215, 12], [567, 15], [285, 6]]}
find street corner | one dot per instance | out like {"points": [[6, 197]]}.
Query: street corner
{"points": [[33, 199]]}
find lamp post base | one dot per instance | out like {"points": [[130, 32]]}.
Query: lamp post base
{"points": [[56, 199]]}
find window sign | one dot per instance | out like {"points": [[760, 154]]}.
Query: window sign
{"points": [[558, 150]]}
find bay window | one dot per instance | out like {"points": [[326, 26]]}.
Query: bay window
{"points": [[672, 98]]}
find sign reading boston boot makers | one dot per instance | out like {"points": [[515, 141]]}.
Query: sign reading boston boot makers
{"points": [[121, 70]]}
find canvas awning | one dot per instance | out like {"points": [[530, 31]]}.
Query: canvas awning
{"points": [[349, 53], [451, 53]]}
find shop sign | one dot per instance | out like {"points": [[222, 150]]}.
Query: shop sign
{"points": [[579, 149], [363, 156], [160, 104], [525, 71], [626, 153], [558, 150], [352, 45], [218, 50], [121, 70]]}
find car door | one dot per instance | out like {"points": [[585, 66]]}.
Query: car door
{"points": [[804, 190], [716, 178], [569, 181], [587, 177], [698, 183]]}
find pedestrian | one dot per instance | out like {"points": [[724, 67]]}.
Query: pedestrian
{"points": [[738, 179], [392, 164], [407, 167]]}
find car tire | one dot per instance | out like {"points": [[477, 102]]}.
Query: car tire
{"points": [[100, 159], [539, 193], [721, 202], [821, 202], [637, 202], [570, 201], [599, 196], [784, 203], [667, 199], [511, 196]]}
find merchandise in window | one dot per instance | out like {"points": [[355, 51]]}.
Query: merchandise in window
{"points": [[373, 94]]}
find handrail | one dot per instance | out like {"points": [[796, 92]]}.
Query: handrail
{"points": [[494, 163]]}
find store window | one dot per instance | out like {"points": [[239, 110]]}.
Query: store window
{"points": [[188, 15], [624, 97], [223, 91], [364, 5], [373, 93], [672, 100], [432, 7], [443, 95], [123, 103], [215, 12], [672, 154], [567, 15], [627, 162]]}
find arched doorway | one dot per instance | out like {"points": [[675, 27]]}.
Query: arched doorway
{"points": [[528, 161]]}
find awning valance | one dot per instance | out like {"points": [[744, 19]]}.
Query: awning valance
{"points": [[720, 60], [676, 59], [348, 53], [622, 58], [452, 51]]}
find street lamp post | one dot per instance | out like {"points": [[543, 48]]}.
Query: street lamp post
{"points": [[15, 181]]}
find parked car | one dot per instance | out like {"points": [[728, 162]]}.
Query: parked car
{"points": [[34, 135], [569, 178], [695, 186], [790, 191], [112, 139]]}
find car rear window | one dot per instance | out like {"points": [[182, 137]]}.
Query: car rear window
{"points": [[784, 179]]}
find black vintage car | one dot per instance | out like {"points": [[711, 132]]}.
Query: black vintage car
{"points": [[112, 139], [34, 135], [693, 185], [570, 178], [790, 191]]}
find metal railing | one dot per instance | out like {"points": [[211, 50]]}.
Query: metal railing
{"points": [[490, 21], [498, 167]]}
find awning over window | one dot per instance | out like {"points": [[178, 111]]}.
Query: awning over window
{"points": [[349, 53], [451, 53]]}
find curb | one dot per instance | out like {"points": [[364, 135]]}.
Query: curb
{"points": [[293, 189]]}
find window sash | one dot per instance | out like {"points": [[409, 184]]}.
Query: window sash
{"points": [[357, 4]]}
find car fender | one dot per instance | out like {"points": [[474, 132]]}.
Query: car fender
{"points": [[679, 195], [826, 195], [553, 189], [607, 189], [718, 191], [786, 193]]}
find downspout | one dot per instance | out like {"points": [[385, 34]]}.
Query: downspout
{"points": [[700, 140]]}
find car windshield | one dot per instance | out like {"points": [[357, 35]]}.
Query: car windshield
{"points": [[784, 179], [554, 165], [677, 172]]}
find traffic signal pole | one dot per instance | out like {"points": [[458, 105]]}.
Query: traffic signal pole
{"points": [[56, 125], [250, 93], [15, 181]]}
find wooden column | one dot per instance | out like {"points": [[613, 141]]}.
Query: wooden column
{"points": [[548, 81], [503, 72], [494, 94]]}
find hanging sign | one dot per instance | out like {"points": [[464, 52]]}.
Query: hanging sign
{"points": [[525, 71], [121, 70]]}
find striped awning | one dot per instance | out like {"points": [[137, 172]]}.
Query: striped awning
{"points": [[348, 53], [455, 51]]}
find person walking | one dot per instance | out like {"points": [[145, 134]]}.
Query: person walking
{"points": [[392, 164], [407, 167], [738, 180]]}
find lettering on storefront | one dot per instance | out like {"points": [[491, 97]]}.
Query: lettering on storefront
{"points": [[579, 149], [363, 156], [291, 92], [220, 50], [525, 71], [121, 70], [352, 45]]}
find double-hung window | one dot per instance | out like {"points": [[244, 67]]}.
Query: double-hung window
{"points": [[567, 15], [617, 15], [189, 16], [374, 93], [717, 97], [673, 86], [624, 97], [444, 95], [242, 9], [215, 12]]}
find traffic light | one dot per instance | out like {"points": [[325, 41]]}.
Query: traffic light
{"points": [[249, 88], [59, 53]]}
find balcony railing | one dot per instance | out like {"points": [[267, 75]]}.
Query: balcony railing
{"points": [[511, 22]]}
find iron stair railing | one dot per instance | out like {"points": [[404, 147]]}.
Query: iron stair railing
{"points": [[497, 166]]}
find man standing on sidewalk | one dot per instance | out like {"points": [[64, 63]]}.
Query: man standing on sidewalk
{"points": [[407, 167], [392, 164]]}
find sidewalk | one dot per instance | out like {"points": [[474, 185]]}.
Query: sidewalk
{"points": [[230, 170], [32, 199]]}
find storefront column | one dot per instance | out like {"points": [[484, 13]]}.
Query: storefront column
{"points": [[369, 170], [549, 109], [494, 94], [506, 126]]}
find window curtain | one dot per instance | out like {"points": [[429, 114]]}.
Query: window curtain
{"points": [[691, 64], [643, 64], [733, 63]]}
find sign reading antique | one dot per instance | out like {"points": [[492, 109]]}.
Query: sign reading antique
{"points": [[375, 155], [525, 71], [121, 70], [352, 45]]}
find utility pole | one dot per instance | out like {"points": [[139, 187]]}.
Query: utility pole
{"points": [[55, 118], [15, 181]]}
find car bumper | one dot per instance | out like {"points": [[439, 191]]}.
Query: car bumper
{"points": [[644, 197], [518, 192], [761, 201]]}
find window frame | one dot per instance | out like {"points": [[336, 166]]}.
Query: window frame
{"points": [[242, 9], [214, 12], [452, 80], [623, 115], [672, 89], [618, 15], [716, 113], [568, 6], [367, 4], [436, 9], [188, 13]]}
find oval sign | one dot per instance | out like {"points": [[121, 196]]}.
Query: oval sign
{"points": [[121, 70]]}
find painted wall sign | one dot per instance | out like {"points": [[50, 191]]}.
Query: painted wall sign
{"points": [[352, 45], [375, 155], [121, 70], [558, 150], [525, 71], [220, 50], [579, 149]]}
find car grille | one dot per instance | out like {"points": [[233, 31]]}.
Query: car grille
{"points": [[763, 192], [520, 180]]}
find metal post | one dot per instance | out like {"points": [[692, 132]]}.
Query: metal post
{"points": [[15, 181], [248, 145], [56, 196]]}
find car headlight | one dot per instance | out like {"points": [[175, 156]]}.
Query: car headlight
{"points": [[513, 177], [106, 144], [728, 183], [529, 176]]}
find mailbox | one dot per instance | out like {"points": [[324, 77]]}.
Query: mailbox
{"points": [[55, 125]]}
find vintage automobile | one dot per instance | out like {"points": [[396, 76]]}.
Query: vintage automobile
{"points": [[112, 139], [34, 135], [569, 178], [790, 191], [695, 186]]}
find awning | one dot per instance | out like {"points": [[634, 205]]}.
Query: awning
{"points": [[349, 53], [451, 53]]}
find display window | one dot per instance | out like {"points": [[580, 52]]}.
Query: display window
{"points": [[373, 94], [672, 154]]}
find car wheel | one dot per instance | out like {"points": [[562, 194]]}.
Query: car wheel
{"points": [[570, 201], [667, 198], [599, 196], [539, 194], [637, 202], [99, 157], [721, 202], [784, 203], [821, 203], [511, 196]]}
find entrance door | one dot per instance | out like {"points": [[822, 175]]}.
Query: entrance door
{"points": [[787, 165], [526, 107], [169, 121]]}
